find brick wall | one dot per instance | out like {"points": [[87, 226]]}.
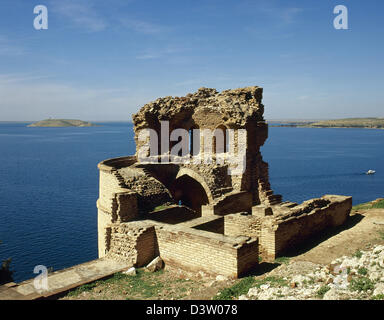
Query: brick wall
{"points": [[139, 242], [133, 243], [197, 250], [245, 225], [109, 185], [280, 235]]}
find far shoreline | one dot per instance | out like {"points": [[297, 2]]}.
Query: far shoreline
{"points": [[321, 127], [61, 123]]}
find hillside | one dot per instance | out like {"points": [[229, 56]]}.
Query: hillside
{"points": [[61, 123], [376, 123]]}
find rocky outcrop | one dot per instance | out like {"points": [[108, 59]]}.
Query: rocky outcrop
{"points": [[355, 277]]}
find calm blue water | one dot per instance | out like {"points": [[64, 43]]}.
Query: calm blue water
{"points": [[309, 162], [49, 182], [48, 192]]}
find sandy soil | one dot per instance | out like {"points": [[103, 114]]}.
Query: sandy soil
{"points": [[360, 232]]}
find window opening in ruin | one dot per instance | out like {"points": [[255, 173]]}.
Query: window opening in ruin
{"points": [[220, 140], [187, 191]]}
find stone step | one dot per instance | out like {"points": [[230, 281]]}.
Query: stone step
{"points": [[289, 204], [275, 197], [63, 280]]}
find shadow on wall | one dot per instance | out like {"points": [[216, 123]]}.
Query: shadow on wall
{"points": [[187, 191], [324, 235]]}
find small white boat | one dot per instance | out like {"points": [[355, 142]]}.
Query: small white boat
{"points": [[370, 172]]}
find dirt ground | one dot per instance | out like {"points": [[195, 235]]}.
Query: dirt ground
{"points": [[167, 284], [363, 229]]}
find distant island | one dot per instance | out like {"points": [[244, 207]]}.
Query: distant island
{"points": [[61, 123], [371, 123]]}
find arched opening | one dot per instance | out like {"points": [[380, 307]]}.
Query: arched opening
{"points": [[194, 141], [187, 191], [180, 152], [220, 140]]}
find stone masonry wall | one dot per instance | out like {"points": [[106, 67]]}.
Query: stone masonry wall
{"points": [[282, 233], [197, 250], [109, 185], [246, 225], [187, 248], [133, 243], [238, 224]]}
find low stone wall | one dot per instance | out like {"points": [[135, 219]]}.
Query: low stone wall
{"points": [[246, 225], [279, 234], [239, 224], [198, 250], [184, 247], [117, 163], [133, 243]]}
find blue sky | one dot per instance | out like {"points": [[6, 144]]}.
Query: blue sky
{"points": [[103, 60]]}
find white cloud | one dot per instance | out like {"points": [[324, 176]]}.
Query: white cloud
{"points": [[80, 14]]}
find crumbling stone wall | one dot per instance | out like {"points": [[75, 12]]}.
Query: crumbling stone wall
{"points": [[133, 243], [209, 109]]}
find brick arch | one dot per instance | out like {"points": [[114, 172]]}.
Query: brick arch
{"points": [[192, 174], [189, 192]]}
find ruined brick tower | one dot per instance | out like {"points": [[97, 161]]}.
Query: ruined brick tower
{"points": [[194, 214]]}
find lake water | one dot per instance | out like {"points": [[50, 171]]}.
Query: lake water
{"points": [[49, 182]]}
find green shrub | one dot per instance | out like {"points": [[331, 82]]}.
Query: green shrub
{"points": [[378, 205], [321, 292], [282, 260], [241, 287], [362, 271], [84, 288], [369, 205], [273, 281], [358, 254], [361, 284], [5, 271]]}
